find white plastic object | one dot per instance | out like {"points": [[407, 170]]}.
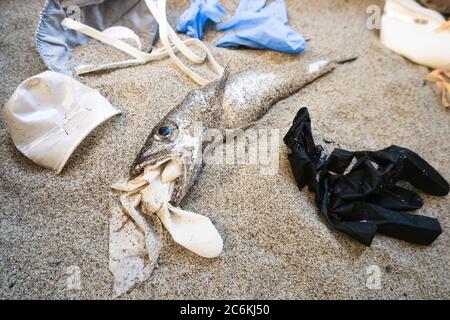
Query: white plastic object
{"points": [[155, 195], [49, 115], [134, 245], [416, 33], [138, 182], [123, 33], [193, 231], [172, 171]]}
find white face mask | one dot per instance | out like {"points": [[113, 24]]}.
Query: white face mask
{"points": [[169, 39], [55, 44], [50, 114]]}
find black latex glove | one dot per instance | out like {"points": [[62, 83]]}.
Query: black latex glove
{"points": [[367, 199], [305, 158]]}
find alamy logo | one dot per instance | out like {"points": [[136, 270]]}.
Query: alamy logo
{"points": [[373, 281], [259, 148], [374, 19], [72, 8], [236, 147], [73, 280], [74, 12]]}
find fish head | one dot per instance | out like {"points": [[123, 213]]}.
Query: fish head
{"points": [[178, 136]]}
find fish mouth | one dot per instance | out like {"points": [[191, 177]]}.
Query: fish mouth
{"points": [[161, 163]]}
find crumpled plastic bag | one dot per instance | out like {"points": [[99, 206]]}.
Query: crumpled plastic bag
{"points": [[261, 26], [193, 20], [366, 197]]}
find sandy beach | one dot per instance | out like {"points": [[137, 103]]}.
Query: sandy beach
{"points": [[276, 243]]}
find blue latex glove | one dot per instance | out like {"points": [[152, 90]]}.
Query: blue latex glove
{"points": [[193, 20], [259, 26]]}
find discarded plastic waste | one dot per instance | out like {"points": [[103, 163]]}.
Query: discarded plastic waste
{"points": [[193, 20], [152, 190], [193, 231], [123, 33], [418, 33], [367, 199], [130, 260], [55, 43], [170, 40], [261, 26], [50, 114]]}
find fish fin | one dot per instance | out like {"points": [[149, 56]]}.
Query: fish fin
{"points": [[346, 59], [221, 83], [216, 92], [337, 59], [329, 64]]}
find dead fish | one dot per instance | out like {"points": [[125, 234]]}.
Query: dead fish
{"points": [[234, 101]]}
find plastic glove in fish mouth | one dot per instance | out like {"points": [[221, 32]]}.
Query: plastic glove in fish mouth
{"points": [[175, 140]]}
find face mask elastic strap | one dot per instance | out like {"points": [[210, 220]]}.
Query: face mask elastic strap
{"points": [[159, 13], [166, 34]]}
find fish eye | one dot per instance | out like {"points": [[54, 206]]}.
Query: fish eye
{"points": [[166, 132]]}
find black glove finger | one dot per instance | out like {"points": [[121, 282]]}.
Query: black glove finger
{"points": [[412, 228], [303, 171], [381, 157], [300, 136], [363, 232], [397, 198], [409, 227], [305, 155], [421, 175], [361, 220], [412, 168]]}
